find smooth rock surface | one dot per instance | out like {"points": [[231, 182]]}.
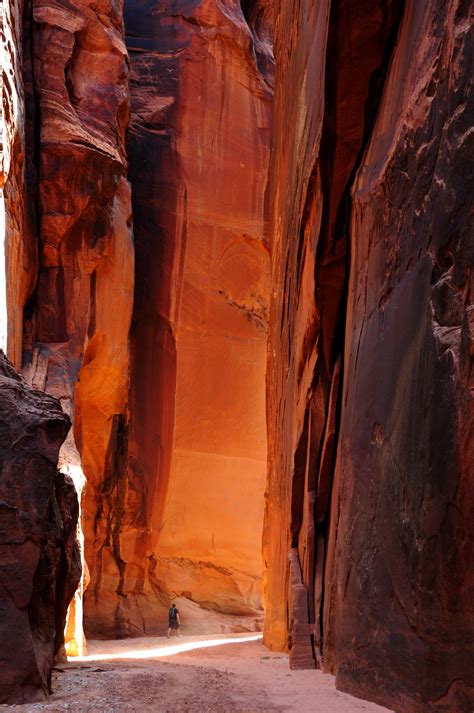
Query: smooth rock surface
{"points": [[39, 554], [188, 512], [400, 628], [77, 328], [18, 248], [371, 160], [322, 114]]}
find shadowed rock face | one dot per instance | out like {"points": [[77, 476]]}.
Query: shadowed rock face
{"points": [[404, 545], [188, 510], [39, 556], [321, 122], [369, 423]]}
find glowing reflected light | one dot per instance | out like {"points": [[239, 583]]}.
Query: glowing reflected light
{"points": [[166, 649]]}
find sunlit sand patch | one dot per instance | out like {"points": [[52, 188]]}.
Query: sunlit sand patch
{"points": [[167, 649]]}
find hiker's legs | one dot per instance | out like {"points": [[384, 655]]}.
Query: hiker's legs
{"points": [[168, 634]]}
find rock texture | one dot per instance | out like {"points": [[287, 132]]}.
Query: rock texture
{"points": [[39, 554], [370, 423], [184, 516], [77, 330], [401, 581], [18, 249], [321, 121]]}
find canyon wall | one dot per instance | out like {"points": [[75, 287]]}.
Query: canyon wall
{"points": [[189, 507], [193, 417], [18, 248], [401, 582], [76, 343], [321, 122], [370, 422], [39, 555]]}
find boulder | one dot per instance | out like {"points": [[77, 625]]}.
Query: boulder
{"points": [[39, 555]]}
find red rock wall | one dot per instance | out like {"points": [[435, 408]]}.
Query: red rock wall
{"points": [[388, 567], [77, 327], [401, 582], [321, 119], [188, 511], [18, 248], [39, 555]]}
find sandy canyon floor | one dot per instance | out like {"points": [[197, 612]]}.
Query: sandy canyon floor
{"points": [[198, 674]]}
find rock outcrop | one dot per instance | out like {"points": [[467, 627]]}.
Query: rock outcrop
{"points": [[321, 122], [370, 422], [185, 512], [39, 555], [400, 582], [18, 247], [77, 325]]}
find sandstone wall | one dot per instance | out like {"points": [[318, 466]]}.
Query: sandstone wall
{"points": [[370, 225], [18, 249], [400, 584], [322, 115], [77, 324], [188, 511], [39, 555]]}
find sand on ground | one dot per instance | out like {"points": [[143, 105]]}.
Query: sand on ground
{"points": [[193, 674]]}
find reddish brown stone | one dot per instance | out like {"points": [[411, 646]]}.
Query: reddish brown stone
{"points": [[393, 574], [77, 345], [18, 247], [329, 58], [39, 555], [401, 621], [299, 641], [186, 512]]}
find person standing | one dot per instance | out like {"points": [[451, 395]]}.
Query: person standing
{"points": [[173, 620]]}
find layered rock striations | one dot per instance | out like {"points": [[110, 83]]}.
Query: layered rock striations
{"points": [[401, 583], [370, 438], [39, 555], [321, 122], [18, 248], [77, 324], [187, 511]]}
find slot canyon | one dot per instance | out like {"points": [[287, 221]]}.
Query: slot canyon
{"points": [[236, 349]]}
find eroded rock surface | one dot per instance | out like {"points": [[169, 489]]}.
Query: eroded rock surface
{"points": [[321, 120], [377, 504], [39, 555], [186, 510], [18, 248], [401, 582], [77, 326]]}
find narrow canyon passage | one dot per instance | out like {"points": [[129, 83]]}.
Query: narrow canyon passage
{"points": [[198, 334], [236, 266]]}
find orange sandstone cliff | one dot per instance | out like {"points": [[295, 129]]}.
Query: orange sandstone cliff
{"points": [[18, 246], [187, 511], [76, 327], [233, 284]]}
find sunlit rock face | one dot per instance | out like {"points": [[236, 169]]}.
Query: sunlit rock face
{"points": [[39, 554], [370, 348], [77, 325], [17, 239], [187, 512]]}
